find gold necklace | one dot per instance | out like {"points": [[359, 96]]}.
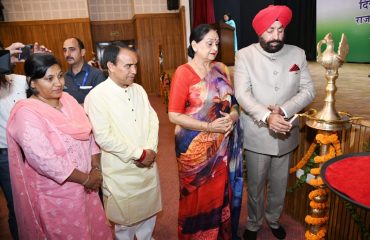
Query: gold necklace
{"points": [[44, 101]]}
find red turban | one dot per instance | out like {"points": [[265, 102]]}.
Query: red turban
{"points": [[267, 16]]}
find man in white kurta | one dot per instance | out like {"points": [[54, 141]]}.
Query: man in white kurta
{"points": [[125, 126]]}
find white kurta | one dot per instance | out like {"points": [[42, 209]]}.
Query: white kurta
{"points": [[124, 123]]}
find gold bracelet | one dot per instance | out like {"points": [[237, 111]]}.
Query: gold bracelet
{"points": [[87, 180]]}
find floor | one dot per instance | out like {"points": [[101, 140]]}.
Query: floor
{"points": [[352, 96]]}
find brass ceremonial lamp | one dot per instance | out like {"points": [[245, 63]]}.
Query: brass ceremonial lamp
{"points": [[328, 121], [328, 118]]}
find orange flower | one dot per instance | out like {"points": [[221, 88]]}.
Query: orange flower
{"points": [[316, 221], [317, 192], [316, 182], [320, 234], [314, 204], [338, 149], [304, 159], [315, 171], [326, 139]]}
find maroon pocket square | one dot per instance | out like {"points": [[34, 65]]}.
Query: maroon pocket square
{"points": [[294, 68]]}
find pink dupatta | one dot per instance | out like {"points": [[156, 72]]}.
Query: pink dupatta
{"points": [[75, 123]]}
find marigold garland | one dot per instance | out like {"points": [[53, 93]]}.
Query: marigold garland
{"points": [[316, 220], [326, 139], [317, 205], [304, 159], [317, 192], [334, 150], [338, 149], [320, 234], [321, 139], [316, 182], [326, 157], [315, 171]]}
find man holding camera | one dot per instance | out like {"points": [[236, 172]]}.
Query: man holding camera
{"points": [[80, 77]]}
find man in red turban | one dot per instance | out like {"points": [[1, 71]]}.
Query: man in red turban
{"points": [[272, 83], [266, 17]]}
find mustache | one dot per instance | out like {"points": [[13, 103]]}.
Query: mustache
{"points": [[68, 58], [274, 41]]}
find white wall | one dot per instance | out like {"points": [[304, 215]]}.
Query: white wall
{"points": [[102, 10], [151, 6], [25, 10], [97, 10]]}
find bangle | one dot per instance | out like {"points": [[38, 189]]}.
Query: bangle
{"points": [[142, 157], [86, 181]]}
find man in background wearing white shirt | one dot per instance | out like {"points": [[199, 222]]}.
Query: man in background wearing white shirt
{"points": [[126, 128]]}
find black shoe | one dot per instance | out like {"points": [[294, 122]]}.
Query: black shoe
{"points": [[250, 235], [279, 233]]}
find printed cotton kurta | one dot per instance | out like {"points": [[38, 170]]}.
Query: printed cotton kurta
{"points": [[124, 123], [41, 158]]}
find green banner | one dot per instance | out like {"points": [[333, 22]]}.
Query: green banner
{"points": [[351, 17]]}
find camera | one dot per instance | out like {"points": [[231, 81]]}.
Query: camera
{"points": [[5, 65], [26, 52]]}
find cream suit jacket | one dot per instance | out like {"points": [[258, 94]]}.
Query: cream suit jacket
{"points": [[262, 79]]}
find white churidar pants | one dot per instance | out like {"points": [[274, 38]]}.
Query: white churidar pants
{"points": [[143, 230]]}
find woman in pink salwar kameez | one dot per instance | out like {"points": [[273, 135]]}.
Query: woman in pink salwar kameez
{"points": [[54, 161]]}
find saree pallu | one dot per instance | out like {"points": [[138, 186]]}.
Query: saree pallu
{"points": [[206, 190]]}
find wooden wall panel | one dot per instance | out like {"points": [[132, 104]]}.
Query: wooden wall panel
{"points": [[148, 30], [226, 52], [50, 33], [104, 31], [183, 32], [153, 30], [341, 225]]}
